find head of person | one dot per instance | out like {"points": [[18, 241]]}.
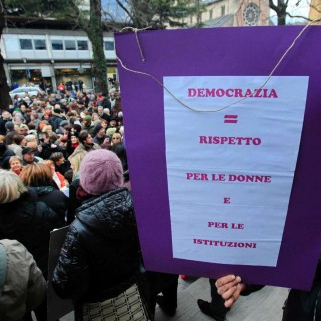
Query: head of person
{"points": [[104, 123], [47, 129], [15, 164], [36, 174], [28, 154], [95, 117], [116, 139], [85, 138], [75, 161], [44, 138], [11, 187], [111, 131], [24, 129], [19, 140], [99, 131], [120, 150], [31, 138], [42, 124], [74, 139], [76, 128], [9, 125], [87, 120], [6, 115], [58, 158], [50, 164], [100, 171]]}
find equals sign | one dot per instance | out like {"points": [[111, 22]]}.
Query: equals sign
{"points": [[231, 119]]}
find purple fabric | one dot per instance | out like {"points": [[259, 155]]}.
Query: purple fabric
{"points": [[226, 52]]}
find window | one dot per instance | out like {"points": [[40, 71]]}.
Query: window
{"points": [[70, 45], [211, 14], [40, 44], [109, 45], [57, 45], [26, 44], [82, 45], [222, 10]]}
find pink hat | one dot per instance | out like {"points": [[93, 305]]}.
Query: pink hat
{"points": [[100, 171]]}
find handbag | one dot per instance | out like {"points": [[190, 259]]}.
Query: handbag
{"points": [[129, 305]]}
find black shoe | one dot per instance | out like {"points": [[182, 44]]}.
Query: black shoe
{"points": [[207, 309], [162, 304]]}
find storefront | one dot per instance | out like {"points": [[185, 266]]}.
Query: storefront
{"points": [[51, 75]]}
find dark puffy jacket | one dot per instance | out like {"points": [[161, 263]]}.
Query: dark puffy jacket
{"points": [[100, 254], [55, 199], [30, 223], [56, 119]]}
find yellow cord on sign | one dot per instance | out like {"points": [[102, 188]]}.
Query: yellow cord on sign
{"points": [[178, 100]]}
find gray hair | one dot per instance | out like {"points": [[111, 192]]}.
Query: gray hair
{"points": [[11, 186]]}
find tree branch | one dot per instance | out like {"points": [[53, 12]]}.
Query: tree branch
{"points": [[126, 10], [273, 6]]}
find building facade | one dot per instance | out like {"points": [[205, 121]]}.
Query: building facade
{"points": [[49, 56], [228, 13]]}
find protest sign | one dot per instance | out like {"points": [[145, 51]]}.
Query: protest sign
{"points": [[223, 160]]}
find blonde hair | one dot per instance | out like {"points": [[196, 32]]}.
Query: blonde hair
{"points": [[46, 128], [11, 187], [32, 144], [31, 138], [36, 174], [48, 162], [12, 158], [75, 160]]}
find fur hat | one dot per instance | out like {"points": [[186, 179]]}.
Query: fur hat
{"points": [[111, 131], [100, 171]]}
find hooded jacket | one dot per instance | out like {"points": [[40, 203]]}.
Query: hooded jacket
{"points": [[100, 255]]}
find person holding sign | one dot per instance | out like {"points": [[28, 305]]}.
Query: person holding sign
{"points": [[299, 306]]}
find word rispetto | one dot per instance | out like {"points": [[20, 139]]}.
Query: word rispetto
{"points": [[232, 92], [224, 243], [228, 140]]}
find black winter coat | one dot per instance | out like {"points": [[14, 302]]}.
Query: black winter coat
{"points": [[55, 199], [30, 223], [100, 254]]}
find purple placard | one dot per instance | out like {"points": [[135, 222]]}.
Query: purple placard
{"points": [[220, 52]]}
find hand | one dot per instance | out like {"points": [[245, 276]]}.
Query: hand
{"points": [[229, 288]]}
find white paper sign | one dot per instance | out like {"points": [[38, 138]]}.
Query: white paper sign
{"points": [[230, 172]]}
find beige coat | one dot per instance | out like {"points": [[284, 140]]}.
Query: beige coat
{"points": [[25, 287]]}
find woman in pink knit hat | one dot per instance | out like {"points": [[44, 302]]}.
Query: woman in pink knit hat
{"points": [[100, 257]]}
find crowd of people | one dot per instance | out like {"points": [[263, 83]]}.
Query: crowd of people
{"points": [[63, 163]]}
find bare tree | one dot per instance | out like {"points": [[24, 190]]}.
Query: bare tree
{"points": [[158, 13]]}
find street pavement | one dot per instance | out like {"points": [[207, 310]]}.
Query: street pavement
{"points": [[264, 305]]}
